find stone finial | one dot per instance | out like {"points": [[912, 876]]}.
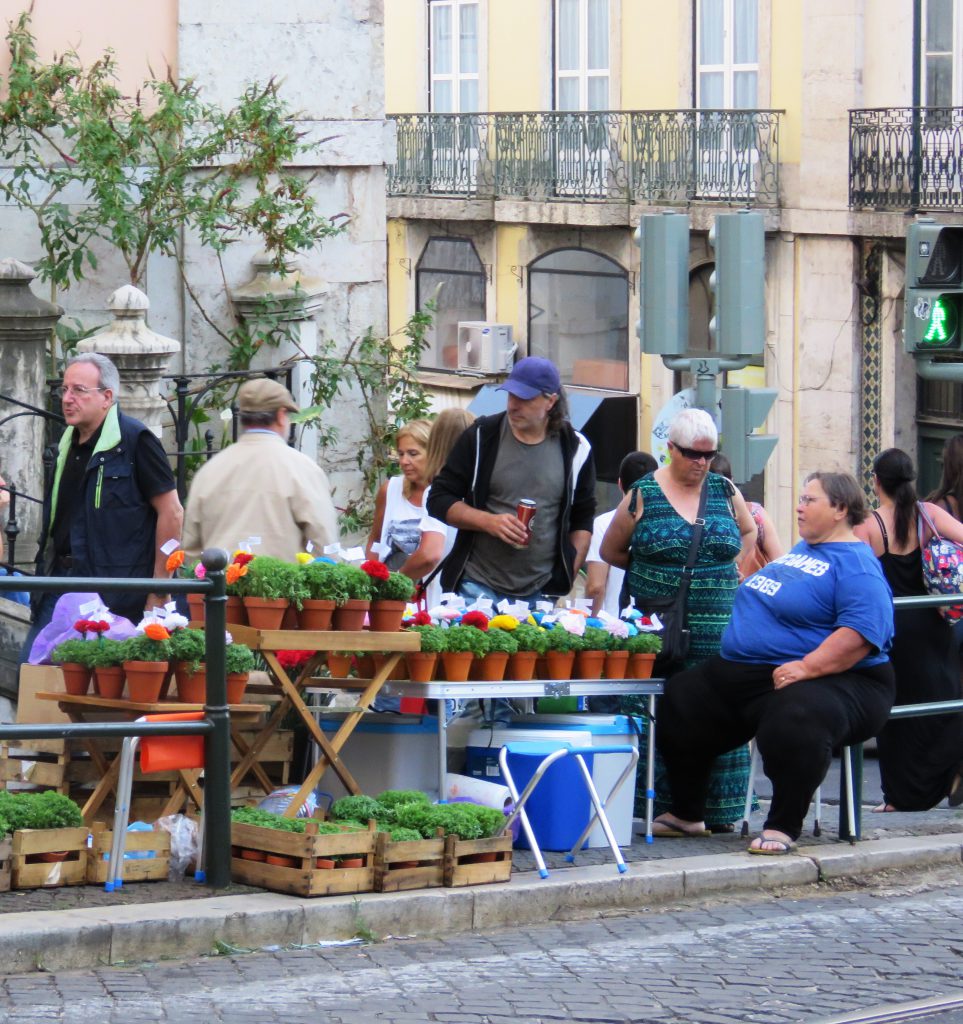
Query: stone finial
{"points": [[15, 270], [128, 301], [292, 293]]}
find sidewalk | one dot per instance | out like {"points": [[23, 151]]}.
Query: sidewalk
{"points": [[58, 929]]}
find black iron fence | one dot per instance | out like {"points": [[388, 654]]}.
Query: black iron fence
{"points": [[904, 158]]}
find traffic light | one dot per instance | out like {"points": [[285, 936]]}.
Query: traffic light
{"points": [[744, 409], [738, 284], [933, 299], [663, 240]]}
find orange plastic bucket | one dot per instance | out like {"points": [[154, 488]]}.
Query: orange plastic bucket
{"points": [[170, 753]]}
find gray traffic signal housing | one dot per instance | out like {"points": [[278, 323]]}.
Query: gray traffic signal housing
{"points": [[663, 240], [738, 284], [744, 409], [933, 297]]}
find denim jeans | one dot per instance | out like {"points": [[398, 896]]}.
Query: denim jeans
{"points": [[496, 712]]}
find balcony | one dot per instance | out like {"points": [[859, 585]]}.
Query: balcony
{"points": [[903, 158], [640, 156]]}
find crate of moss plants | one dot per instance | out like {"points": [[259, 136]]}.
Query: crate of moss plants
{"points": [[301, 856], [49, 839]]}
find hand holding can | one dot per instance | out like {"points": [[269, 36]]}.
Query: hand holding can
{"points": [[525, 511]]}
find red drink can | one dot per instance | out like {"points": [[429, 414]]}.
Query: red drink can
{"points": [[525, 510]]}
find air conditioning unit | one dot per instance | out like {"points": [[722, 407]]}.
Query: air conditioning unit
{"points": [[484, 347]]}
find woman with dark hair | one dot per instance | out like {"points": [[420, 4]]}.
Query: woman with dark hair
{"points": [[919, 758], [949, 495]]}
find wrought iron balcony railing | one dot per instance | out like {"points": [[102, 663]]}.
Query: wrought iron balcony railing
{"points": [[906, 158], [661, 156]]}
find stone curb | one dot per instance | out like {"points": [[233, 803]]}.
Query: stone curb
{"points": [[97, 936]]}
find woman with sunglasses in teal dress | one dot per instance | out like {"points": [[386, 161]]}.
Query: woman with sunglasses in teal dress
{"points": [[650, 537]]}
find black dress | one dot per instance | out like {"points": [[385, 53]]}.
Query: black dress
{"points": [[918, 757]]}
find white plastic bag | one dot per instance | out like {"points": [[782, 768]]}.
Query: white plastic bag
{"points": [[183, 833]]}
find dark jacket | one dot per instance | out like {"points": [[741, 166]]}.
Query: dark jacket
{"points": [[466, 477], [114, 532]]}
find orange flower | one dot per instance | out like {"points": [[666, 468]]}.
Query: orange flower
{"points": [[155, 631], [175, 560], [235, 572]]}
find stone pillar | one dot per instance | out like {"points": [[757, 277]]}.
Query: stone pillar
{"points": [[140, 355], [291, 297], [25, 325]]}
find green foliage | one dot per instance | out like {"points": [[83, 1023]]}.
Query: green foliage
{"points": [[559, 639], [238, 659], [501, 640], [397, 587], [644, 643], [359, 808], [531, 638], [189, 645], [434, 639], [107, 653], [467, 638], [38, 810], [266, 819], [273, 579], [79, 651], [596, 639], [465, 820], [392, 798], [354, 582], [399, 834], [324, 582], [142, 648]]}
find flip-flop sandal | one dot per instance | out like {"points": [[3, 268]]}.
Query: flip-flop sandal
{"points": [[662, 830], [782, 849]]}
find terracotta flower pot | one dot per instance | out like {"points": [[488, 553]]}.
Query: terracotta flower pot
{"points": [[352, 862], [234, 613], [316, 615], [339, 665], [168, 679], [616, 662], [236, 685], [385, 616], [491, 668], [281, 860], [253, 855], [350, 615], [521, 666], [421, 665], [559, 664], [457, 665], [109, 681], [76, 678], [589, 664], [265, 613], [290, 620], [364, 665], [195, 604], [144, 680], [191, 686], [541, 666], [640, 666], [325, 863], [50, 857]]}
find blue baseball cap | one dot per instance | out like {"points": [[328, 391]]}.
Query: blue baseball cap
{"points": [[531, 377]]}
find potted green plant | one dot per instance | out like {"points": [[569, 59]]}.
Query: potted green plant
{"points": [[107, 661], [390, 592], [268, 587], [354, 604], [462, 645], [238, 664], [590, 654], [532, 644], [145, 662], [642, 648], [325, 587], [421, 664], [501, 646], [616, 654], [560, 648], [188, 651], [75, 658]]}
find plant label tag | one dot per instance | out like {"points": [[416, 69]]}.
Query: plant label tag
{"points": [[353, 554], [582, 604], [253, 542], [517, 609], [309, 547], [90, 607], [503, 605], [170, 607], [227, 415], [453, 600], [381, 549], [483, 605], [543, 606], [170, 546], [332, 549]]}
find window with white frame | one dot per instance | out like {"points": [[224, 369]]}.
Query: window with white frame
{"points": [[727, 48], [582, 54], [942, 53], [453, 53]]}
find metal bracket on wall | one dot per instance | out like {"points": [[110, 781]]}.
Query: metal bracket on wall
{"points": [[518, 273], [405, 264]]}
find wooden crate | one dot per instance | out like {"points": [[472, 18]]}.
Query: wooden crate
{"points": [[305, 879], [135, 869], [28, 873], [30, 768], [6, 845], [410, 864], [463, 864]]}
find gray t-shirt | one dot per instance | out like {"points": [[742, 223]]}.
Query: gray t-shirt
{"points": [[521, 471]]}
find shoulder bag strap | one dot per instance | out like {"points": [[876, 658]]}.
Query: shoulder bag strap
{"points": [[698, 528], [924, 518], [882, 530]]}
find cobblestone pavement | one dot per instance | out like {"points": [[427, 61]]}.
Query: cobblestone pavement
{"points": [[799, 957]]}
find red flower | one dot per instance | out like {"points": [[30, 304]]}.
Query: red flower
{"points": [[291, 660], [82, 625], [477, 619], [98, 626], [419, 619], [243, 557], [376, 570]]}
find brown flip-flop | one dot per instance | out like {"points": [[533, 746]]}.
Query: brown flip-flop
{"points": [[662, 830]]}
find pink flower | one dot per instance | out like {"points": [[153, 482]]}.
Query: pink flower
{"points": [[200, 571]]}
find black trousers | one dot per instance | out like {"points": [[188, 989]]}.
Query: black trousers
{"points": [[720, 705]]}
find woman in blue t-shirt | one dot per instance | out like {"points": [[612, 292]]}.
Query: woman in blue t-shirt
{"points": [[803, 668]]}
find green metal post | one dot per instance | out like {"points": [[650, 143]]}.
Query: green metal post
{"points": [[217, 747]]}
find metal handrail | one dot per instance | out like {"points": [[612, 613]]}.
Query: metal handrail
{"points": [[216, 724]]}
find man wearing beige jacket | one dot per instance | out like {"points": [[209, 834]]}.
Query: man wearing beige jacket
{"points": [[260, 489]]}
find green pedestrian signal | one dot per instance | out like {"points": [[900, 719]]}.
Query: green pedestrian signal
{"points": [[942, 323], [934, 288]]}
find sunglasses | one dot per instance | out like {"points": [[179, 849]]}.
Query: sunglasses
{"points": [[693, 453]]}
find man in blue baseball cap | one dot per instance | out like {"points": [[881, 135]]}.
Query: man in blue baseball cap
{"points": [[531, 452]]}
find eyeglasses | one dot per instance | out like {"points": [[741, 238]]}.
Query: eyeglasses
{"points": [[809, 499], [78, 390], [693, 453]]}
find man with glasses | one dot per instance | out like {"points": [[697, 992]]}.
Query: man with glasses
{"points": [[112, 503]]}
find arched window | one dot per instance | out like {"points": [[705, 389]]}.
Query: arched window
{"points": [[451, 273], [578, 316]]}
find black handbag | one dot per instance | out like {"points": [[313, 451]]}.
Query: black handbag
{"points": [[672, 610]]}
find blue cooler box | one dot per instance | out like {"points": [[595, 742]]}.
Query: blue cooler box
{"points": [[386, 752], [559, 808]]}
